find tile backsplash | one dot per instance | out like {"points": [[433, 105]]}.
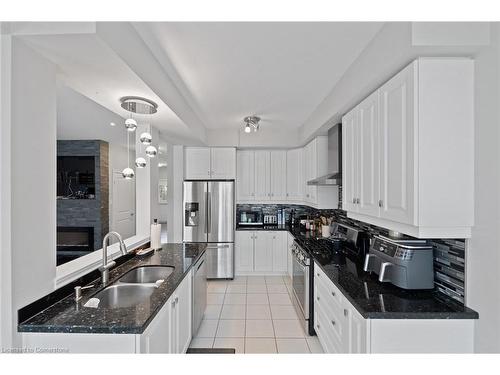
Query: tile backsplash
{"points": [[449, 254]]}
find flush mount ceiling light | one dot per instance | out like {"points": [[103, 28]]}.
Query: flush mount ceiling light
{"points": [[251, 123], [139, 105]]}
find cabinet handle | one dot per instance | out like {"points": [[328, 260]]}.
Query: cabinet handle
{"points": [[333, 322], [176, 300], [380, 203], [333, 294], [317, 298], [287, 194], [317, 326], [353, 200], [345, 312], [173, 303]]}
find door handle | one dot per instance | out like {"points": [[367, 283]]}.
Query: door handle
{"points": [[209, 212]]}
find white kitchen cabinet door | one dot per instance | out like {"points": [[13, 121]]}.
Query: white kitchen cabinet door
{"points": [[294, 175], [197, 163], [183, 315], [309, 174], [158, 336], [245, 180], [397, 142], [368, 156], [357, 332], [280, 247], [313, 171], [263, 251], [223, 163], [244, 252], [349, 158], [262, 175], [278, 175]]}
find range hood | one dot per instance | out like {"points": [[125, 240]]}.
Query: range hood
{"points": [[334, 177]]}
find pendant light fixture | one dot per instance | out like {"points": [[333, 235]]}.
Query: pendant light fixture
{"points": [[146, 138], [151, 151], [143, 106], [128, 173]]}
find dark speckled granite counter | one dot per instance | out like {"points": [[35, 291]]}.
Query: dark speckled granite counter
{"points": [[376, 300], [67, 316]]}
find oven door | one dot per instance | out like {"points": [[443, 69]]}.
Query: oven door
{"points": [[300, 283]]}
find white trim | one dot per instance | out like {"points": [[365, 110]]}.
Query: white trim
{"points": [[68, 272], [413, 230]]}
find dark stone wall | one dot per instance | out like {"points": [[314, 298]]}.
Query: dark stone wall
{"points": [[87, 212]]}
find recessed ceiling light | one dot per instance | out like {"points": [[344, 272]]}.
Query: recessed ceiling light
{"points": [[112, 124]]}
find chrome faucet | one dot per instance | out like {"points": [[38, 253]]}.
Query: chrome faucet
{"points": [[106, 266]]}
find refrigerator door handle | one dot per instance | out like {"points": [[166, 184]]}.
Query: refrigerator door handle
{"points": [[209, 211]]}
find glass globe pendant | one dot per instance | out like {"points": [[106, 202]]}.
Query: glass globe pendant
{"points": [[130, 124], [145, 138], [128, 173], [140, 162], [151, 151]]}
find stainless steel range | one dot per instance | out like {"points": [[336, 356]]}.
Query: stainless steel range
{"points": [[302, 286]]}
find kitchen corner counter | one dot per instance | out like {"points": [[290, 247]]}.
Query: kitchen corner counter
{"points": [[68, 316], [371, 298]]}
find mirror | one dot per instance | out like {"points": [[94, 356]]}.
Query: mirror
{"points": [[93, 198]]}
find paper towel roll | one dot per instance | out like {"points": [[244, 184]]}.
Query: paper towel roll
{"points": [[156, 235]]}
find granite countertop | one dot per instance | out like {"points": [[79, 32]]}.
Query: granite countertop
{"points": [[68, 316], [373, 299]]}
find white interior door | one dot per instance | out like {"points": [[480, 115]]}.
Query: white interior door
{"points": [[123, 205]]}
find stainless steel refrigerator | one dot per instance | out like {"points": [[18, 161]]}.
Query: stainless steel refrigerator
{"points": [[209, 217]]}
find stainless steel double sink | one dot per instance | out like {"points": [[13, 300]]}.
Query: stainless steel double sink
{"points": [[134, 287]]}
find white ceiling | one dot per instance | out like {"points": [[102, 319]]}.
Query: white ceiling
{"points": [[279, 71], [87, 65]]}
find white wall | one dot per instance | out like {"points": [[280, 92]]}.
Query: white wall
{"points": [[175, 172], [6, 328], [33, 161], [483, 254]]}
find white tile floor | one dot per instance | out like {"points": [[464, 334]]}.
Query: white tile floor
{"points": [[253, 314]]}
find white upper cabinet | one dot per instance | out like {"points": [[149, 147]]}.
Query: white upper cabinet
{"points": [[349, 161], [278, 175], [397, 150], [294, 175], [245, 175], [282, 175], [197, 163], [408, 153], [205, 163], [367, 154], [262, 175], [223, 163]]}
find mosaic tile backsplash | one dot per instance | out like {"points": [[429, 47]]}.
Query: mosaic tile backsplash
{"points": [[449, 255]]}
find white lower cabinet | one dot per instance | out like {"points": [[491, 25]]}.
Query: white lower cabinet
{"points": [[261, 252], [168, 332], [342, 329]]}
